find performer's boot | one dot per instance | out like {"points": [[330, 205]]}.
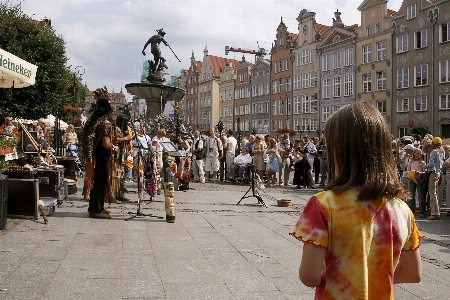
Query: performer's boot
{"points": [[169, 194]]}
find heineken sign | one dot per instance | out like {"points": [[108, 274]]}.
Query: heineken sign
{"points": [[15, 72]]}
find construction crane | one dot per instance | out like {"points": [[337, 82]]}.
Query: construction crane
{"points": [[260, 52]]}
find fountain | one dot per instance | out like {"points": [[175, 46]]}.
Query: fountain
{"points": [[155, 93]]}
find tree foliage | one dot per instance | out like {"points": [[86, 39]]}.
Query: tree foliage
{"points": [[37, 43], [420, 129]]}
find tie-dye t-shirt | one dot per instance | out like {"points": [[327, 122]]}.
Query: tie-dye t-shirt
{"points": [[363, 242]]}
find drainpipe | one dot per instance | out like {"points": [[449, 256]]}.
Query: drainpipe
{"points": [[432, 18], [392, 77]]}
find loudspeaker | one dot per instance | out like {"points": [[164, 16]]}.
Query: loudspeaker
{"points": [[3, 202], [23, 197], [27, 146], [51, 183]]}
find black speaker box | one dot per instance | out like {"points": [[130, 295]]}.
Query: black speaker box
{"points": [[23, 195], [51, 183], [3, 202]]}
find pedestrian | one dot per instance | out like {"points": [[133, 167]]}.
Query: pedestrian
{"points": [[223, 158], [214, 149], [272, 166], [416, 170], [434, 168], [197, 157], [284, 149], [258, 159], [360, 237], [231, 152]]}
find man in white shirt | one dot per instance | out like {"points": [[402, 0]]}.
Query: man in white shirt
{"points": [[214, 149], [285, 147], [240, 163], [312, 150], [197, 157], [231, 152], [142, 140]]}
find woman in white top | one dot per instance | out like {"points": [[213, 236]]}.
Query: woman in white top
{"points": [[71, 141]]}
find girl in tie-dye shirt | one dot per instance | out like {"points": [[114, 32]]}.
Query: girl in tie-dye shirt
{"points": [[360, 238]]}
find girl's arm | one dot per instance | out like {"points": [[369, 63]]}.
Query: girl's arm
{"points": [[409, 267], [310, 271]]}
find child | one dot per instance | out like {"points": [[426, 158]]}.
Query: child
{"points": [[360, 237], [416, 170], [129, 169]]}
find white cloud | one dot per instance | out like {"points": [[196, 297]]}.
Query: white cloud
{"points": [[106, 37]]}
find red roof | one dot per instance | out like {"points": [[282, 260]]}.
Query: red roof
{"points": [[322, 29], [220, 63], [391, 12]]}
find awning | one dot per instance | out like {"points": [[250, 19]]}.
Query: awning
{"points": [[15, 72]]}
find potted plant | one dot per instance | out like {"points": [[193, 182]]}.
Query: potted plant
{"points": [[8, 140]]}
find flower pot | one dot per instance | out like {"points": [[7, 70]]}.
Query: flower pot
{"points": [[7, 150]]}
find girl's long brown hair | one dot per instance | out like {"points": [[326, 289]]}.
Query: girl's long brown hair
{"points": [[359, 149]]}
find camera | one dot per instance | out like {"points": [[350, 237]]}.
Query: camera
{"points": [[211, 149]]}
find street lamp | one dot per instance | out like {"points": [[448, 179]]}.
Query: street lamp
{"points": [[79, 70]]}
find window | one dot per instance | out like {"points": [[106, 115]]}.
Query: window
{"points": [[336, 86], [444, 102], [275, 68], [403, 105], [381, 50], [311, 56], [287, 64], [281, 65], [326, 88], [305, 57], [348, 57], [378, 28], [274, 127], [381, 106], [366, 54], [274, 108], [444, 71], [313, 79], [297, 105], [297, 82], [288, 103], [281, 107], [267, 90], [313, 124], [402, 43], [335, 108], [420, 103], [281, 88], [299, 60], [254, 90], [305, 104], [288, 84], [381, 80], [313, 103], [421, 75], [444, 32], [368, 31], [336, 60], [260, 89], [348, 85], [274, 87], [402, 78], [420, 39], [305, 80], [411, 12], [325, 63], [367, 82], [325, 113]]}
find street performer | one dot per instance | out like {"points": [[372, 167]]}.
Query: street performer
{"points": [[98, 145]]}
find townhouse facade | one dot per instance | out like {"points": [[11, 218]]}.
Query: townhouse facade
{"points": [[242, 95], [336, 52], [421, 45], [260, 97], [306, 86], [374, 81], [281, 79], [193, 73], [226, 96]]}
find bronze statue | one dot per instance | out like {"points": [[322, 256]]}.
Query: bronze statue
{"points": [[158, 64]]}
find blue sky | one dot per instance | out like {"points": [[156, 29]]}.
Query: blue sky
{"points": [[106, 37]]}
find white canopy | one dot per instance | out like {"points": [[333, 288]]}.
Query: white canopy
{"points": [[15, 72], [50, 122]]}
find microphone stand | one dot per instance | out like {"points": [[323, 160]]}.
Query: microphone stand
{"points": [[140, 182]]}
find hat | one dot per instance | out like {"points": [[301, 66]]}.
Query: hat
{"points": [[437, 141], [409, 147]]}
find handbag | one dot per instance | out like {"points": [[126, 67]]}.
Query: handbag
{"points": [[279, 159]]}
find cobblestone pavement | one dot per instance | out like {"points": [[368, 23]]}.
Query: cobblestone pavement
{"points": [[216, 249]]}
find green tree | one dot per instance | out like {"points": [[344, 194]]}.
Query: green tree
{"points": [[37, 43]]}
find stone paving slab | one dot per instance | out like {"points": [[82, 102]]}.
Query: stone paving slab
{"points": [[216, 249]]}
